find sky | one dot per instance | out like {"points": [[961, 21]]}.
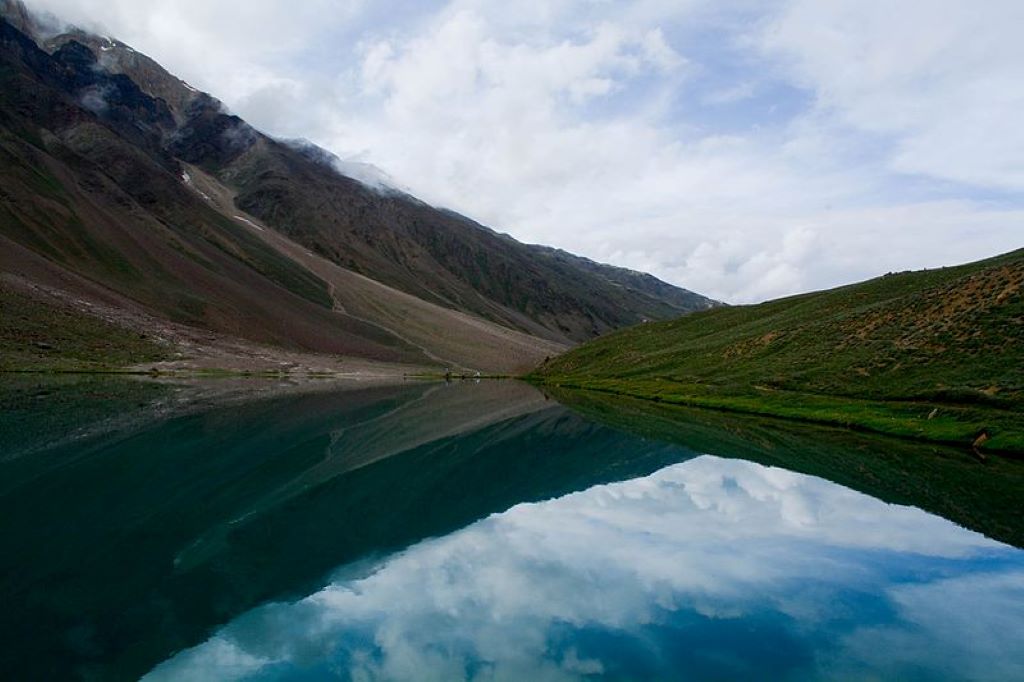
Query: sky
{"points": [[713, 567], [745, 149]]}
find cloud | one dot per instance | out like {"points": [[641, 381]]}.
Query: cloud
{"points": [[728, 95], [672, 572], [931, 626], [213, 45], [938, 77], [745, 150], [94, 98]]}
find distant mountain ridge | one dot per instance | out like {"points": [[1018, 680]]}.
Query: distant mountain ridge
{"points": [[100, 145]]}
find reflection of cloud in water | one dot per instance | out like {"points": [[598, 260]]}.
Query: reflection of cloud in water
{"points": [[709, 568]]}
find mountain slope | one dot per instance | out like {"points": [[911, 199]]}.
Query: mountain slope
{"points": [[90, 192], [449, 337], [943, 348], [434, 254], [32, 330], [102, 154]]}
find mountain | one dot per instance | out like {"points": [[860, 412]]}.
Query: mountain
{"points": [[131, 197], [936, 354], [353, 217]]}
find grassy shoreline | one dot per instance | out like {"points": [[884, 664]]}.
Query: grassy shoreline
{"points": [[941, 423], [934, 355]]}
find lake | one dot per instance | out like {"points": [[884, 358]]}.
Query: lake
{"points": [[226, 530]]}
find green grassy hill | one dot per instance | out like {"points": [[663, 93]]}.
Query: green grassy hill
{"points": [[937, 354], [37, 336]]}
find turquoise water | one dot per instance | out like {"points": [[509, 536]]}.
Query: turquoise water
{"points": [[472, 531]]}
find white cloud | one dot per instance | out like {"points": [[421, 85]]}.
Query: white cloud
{"points": [[657, 51], [931, 625], [742, 150], [731, 541], [940, 76], [217, 46]]}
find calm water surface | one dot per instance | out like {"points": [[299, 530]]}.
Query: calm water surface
{"points": [[465, 532]]}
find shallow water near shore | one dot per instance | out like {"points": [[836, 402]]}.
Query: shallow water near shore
{"points": [[483, 531]]}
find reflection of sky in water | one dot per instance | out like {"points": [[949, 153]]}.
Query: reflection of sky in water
{"points": [[709, 569]]}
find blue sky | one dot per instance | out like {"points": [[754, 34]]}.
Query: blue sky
{"points": [[743, 149]]}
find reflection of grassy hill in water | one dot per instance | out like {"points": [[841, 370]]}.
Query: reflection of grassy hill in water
{"points": [[182, 524], [985, 496], [36, 414], [936, 355]]}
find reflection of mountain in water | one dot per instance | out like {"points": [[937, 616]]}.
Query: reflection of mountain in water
{"points": [[118, 551], [130, 538]]}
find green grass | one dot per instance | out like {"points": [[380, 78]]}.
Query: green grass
{"points": [[935, 355], [36, 337]]}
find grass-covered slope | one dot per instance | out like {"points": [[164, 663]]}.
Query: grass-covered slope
{"points": [[34, 336], [937, 354]]}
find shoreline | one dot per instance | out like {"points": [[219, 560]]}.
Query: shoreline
{"points": [[887, 418]]}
